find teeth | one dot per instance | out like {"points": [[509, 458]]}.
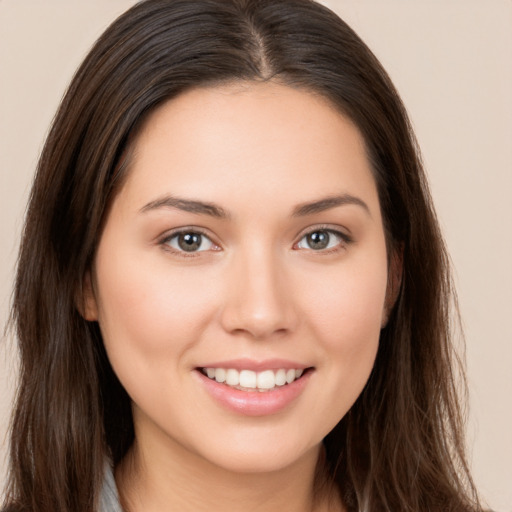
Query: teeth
{"points": [[266, 380], [220, 374], [281, 377], [249, 380], [232, 378]]}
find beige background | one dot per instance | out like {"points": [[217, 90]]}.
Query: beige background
{"points": [[452, 62]]}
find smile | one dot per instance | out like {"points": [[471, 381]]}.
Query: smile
{"points": [[249, 380], [259, 391]]}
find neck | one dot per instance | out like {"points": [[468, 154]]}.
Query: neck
{"points": [[161, 481]]}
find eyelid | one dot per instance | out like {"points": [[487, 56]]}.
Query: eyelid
{"points": [[335, 230], [340, 230], [164, 239]]}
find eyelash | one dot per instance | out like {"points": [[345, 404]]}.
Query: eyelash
{"points": [[344, 241], [165, 242]]}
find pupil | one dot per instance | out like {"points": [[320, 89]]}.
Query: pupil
{"points": [[189, 241], [318, 240]]}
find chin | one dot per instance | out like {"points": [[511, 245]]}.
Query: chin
{"points": [[254, 457]]}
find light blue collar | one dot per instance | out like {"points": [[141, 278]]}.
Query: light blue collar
{"points": [[109, 497]]}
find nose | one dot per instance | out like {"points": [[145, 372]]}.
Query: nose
{"points": [[258, 300]]}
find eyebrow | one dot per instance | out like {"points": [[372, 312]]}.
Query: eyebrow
{"points": [[327, 203], [213, 210], [187, 205]]}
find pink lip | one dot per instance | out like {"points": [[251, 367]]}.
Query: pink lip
{"points": [[255, 366], [254, 403]]}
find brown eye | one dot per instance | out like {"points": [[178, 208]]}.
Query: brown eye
{"points": [[189, 241], [322, 239], [318, 240]]}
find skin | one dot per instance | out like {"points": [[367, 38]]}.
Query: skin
{"points": [[255, 290]]}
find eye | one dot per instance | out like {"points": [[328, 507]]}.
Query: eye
{"points": [[322, 239], [189, 241]]}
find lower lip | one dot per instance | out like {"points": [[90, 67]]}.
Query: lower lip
{"points": [[255, 403]]}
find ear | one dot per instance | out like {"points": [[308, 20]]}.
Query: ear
{"points": [[86, 302], [395, 271]]}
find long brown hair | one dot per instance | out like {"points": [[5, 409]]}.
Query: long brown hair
{"points": [[401, 445]]}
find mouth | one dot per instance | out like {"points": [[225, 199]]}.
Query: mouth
{"points": [[255, 381], [252, 388]]}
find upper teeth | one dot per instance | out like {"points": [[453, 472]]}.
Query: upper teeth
{"points": [[264, 380]]}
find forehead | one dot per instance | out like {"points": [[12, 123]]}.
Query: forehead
{"points": [[258, 137]]}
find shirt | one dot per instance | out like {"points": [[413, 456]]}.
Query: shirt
{"points": [[109, 498]]}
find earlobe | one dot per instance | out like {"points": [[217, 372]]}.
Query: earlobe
{"points": [[86, 303], [394, 282]]}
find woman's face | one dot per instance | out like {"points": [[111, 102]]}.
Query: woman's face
{"points": [[240, 281]]}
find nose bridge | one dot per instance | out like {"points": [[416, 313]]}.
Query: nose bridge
{"points": [[258, 299]]}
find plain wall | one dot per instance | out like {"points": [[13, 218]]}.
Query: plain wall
{"points": [[451, 61]]}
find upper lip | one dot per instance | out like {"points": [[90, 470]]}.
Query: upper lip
{"points": [[256, 366]]}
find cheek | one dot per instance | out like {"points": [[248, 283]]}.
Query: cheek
{"points": [[147, 310], [345, 318], [347, 305], [150, 318]]}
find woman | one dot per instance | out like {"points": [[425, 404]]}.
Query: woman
{"points": [[232, 291]]}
